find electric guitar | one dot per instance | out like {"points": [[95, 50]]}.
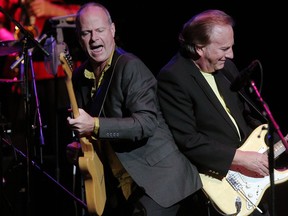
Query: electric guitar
{"points": [[240, 192], [90, 164]]}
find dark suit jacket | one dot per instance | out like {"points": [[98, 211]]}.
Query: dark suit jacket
{"points": [[132, 122], [199, 123]]}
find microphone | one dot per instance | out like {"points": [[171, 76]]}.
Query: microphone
{"points": [[54, 49], [244, 76]]}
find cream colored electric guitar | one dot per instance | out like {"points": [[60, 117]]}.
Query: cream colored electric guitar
{"points": [[240, 192], [90, 164]]}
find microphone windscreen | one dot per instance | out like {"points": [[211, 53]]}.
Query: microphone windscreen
{"points": [[51, 62]]}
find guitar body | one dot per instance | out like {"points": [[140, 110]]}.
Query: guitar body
{"points": [[90, 164], [240, 186], [93, 173]]}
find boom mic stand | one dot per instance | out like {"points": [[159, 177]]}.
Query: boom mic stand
{"points": [[28, 42], [272, 127], [57, 45], [266, 114]]}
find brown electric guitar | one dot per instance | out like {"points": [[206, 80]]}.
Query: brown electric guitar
{"points": [[90, 164]]}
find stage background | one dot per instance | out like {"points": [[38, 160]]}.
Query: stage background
{"points": [[150, 30]]}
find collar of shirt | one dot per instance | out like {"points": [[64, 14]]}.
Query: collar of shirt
{"points": [[90, 74]]}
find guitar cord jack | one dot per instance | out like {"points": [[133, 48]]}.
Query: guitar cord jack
{"points": [[238, 205]]}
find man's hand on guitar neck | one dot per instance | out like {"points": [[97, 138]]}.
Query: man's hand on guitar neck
{"points": [[84, 124], [252, 161]]}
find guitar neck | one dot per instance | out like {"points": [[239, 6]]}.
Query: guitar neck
{"points": [[86, 146], [279, 147], [72, 98]]}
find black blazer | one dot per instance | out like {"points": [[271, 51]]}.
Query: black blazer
{"points": [[198, 121], [130, 119]]}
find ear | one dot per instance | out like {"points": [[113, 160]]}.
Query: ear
{"points": [[113, 29], [198, 50]]}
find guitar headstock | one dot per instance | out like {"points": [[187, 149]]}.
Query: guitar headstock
{"points": [[67, 64]]}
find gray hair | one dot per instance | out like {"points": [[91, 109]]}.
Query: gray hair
{"points": [[197, 30]]}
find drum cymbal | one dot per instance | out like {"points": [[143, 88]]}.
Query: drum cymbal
{"points": [[10, 81], [12, 46], [9, 47]]}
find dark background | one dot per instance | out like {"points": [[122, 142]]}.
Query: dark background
{"points": [[150, 30]]}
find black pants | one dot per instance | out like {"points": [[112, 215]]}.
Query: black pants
{"points": [[146, 206], [138, 204]]}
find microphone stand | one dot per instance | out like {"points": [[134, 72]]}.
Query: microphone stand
{"points": [[272, 127], [269, 114], [37, 105], [29, 37], [28, 42], [18, 152]]}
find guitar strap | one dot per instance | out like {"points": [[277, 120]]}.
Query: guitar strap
{"points": [[95, 107]]}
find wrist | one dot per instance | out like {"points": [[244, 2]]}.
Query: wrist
{"points": [[96, 125]]}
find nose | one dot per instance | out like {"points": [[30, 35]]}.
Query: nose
{"points": [[230, 54], [94, 35]]}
